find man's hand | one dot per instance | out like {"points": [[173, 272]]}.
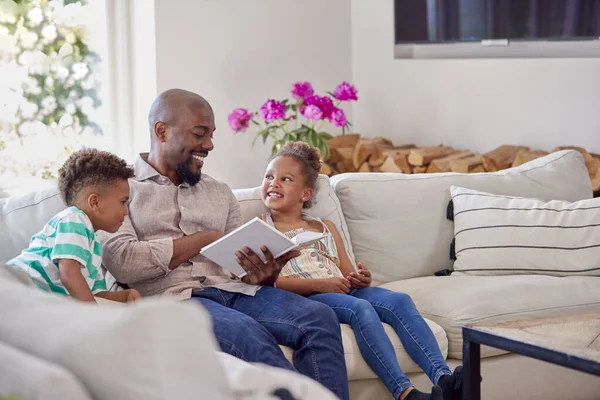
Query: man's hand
{"points": [[259, 273], [360, 279], [333, 285], [123, 296]]}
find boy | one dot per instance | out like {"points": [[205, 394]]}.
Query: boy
{"points": [[65, 257]]}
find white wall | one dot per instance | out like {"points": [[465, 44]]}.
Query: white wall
{"points": [[477, 104], [238, 53]]}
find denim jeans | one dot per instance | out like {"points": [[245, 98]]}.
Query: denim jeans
{"points": [[365, 310], [250, 327]]}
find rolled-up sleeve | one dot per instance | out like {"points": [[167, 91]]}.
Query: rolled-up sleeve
{"points": [[130, 260]]}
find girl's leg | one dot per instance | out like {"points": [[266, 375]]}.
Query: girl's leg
{"points": [[399, 311], [373, 342]]}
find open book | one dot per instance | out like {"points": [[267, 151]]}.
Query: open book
{"points": [[255, 234]]}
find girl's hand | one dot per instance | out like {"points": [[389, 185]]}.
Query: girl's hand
{"points": [[333, 285], [360, 279]]}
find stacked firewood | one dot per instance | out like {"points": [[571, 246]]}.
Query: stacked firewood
{"points": [[351, 153]]}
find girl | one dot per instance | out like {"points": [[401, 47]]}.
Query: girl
{"points": [[325, 274]]}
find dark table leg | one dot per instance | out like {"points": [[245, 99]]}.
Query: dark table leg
{"points": [[471, 370]]}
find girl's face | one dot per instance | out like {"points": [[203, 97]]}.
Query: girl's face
{"points": [[284, 186]]}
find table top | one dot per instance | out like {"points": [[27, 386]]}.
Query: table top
{"points": [[573, 334]]}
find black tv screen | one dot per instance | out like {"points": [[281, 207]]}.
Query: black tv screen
{"points": [[441, 21]]}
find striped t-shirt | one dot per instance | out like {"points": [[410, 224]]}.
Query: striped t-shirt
{"points": [[68, 235]]}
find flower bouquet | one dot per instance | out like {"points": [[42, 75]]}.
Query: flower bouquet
{"points": [[299, 119]]}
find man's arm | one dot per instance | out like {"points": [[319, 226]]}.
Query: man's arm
{"points": [[131, 260]]}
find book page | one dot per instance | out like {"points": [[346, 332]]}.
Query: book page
{"points": [[253, 234]]}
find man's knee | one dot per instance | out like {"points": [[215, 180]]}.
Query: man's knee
{"points": [[321, 315]]}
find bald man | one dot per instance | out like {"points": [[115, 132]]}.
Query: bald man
{"points": [[174, 211]]}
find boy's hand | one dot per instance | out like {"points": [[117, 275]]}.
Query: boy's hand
{"points": [[360, 279], [132, 295], [333, 285]]}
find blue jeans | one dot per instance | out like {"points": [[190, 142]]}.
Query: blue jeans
{"points": [[365, 310], [250, 327]]}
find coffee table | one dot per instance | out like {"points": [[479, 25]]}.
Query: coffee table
{"points": [[572, 341]]}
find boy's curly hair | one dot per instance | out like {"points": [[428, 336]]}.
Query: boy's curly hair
{"points": [[309, 158], [90, 167]]}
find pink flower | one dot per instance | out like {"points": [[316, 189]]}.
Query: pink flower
{"points": [[239, 119], [272, 110], [345, 92], [324, 103], [301, 90], [313, 112], [338, 117]]}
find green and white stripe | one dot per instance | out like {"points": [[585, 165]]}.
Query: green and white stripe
{"points": [[68, 235]]}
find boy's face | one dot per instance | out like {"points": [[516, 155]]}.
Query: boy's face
{"points": [[112, 206]]}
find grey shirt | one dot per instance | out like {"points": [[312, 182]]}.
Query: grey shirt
{"points": [[159, 212]]}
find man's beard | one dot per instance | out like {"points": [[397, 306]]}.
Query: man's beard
{"points": [[183, 170]]}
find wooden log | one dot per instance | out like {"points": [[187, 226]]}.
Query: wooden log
{"points": [[341, 142], [524, 156], [389, 165], [364, 167], [596, 183], [466, 165], [344, 166], [326, 169], [400, 158], [443, 164], [478, 168], [423, 156], [381, 152], [579, 149], [501, 157], [365, 147], [592, 164], [419, 170]]}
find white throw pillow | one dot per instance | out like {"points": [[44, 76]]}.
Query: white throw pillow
{"points": [[155, 349], [28, 377], [259, 381], [504, 235]]}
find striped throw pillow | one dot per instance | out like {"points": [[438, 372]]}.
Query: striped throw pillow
{"points": [[503, 235]]}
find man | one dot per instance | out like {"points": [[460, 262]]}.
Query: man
{"points": [[174, 211]]}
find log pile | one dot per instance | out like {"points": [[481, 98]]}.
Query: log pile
{"points": [[351, 153]]}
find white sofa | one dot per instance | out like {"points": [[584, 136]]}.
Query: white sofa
{"points": [[396, 225]]}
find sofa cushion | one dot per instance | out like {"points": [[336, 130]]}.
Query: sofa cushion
{"points": [[28, 377], [154, 349], [23, 216], [325, 206], [504, 235], [453, 301], [398, 223], [355, 363]]}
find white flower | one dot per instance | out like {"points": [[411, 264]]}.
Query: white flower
{"points": [[71, 38], [70, 108], [36, 16], [89, 83], [71, 15], [36, 61], [61, 73], [86, 101], [65, 120], [8, 43], [49, 33], [33, 128], [49, 104], [49, 82], [65, 50], [28, 39], [28, 110], [80, 70]]}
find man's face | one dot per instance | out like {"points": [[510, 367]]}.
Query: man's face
{"points": [[189, 140]]}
